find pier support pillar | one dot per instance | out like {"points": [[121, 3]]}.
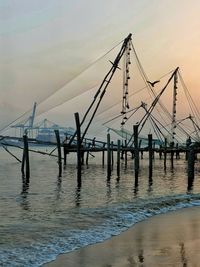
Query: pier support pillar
{"points": [[136, 152], [108, 157], [165, 154], [78, 131], [150, 155], [59, 152], [118, 157], [25, 159], [191, 160]]}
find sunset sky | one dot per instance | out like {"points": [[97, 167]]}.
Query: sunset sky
{"points": [[46, 44]]}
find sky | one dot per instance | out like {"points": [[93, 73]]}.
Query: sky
{"points": [[46, 48]]}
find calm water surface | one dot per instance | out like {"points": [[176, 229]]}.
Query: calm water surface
{"points": [[50, 215]]}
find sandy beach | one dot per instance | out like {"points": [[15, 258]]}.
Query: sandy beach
{"points": [[171, 239]]}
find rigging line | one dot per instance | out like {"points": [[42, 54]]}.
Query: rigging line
{"points": [[133, 113], [118, 116], [145, 117], [188, 95], [82, 71], [145, 78], [178, 123], [5, 127], [131, 95], [109, 75], [103, 85], [90, 65], [178, 126], [196, 127], [194, 114], [186, 89], [65, 101], [155, 119], [119, 102], [6, 149], [155, 128], [164, 127]]}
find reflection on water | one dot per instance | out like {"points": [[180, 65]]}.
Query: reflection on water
{"points": [[57, 209], [163, 241], [78, 196], [25, 205]]}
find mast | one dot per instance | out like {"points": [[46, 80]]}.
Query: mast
{"points": [[173, 129], [102, 89]]}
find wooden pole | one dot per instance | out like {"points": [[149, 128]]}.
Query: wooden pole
{"points": [[118, 157], [112, 155], [78, 131], [103, 155], [23, 163], [103, 158], [108, 158], [65, 156], [25, 159], [65, 150], [136, 152], [125, 153], [165, 153], [191, 160], [150, 155], [172, 155], [59, 152]]}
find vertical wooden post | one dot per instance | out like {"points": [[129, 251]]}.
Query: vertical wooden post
{"points": [[112, 155], [136, 152], [23, 163], [191, 160], [150, 155], [125, 153], [78, 131], [165, 153], [103, 155], [153, 151], [65, 156], [108, 157], [188, 143], [59, 152], [65, 150], [25, 159], [118, 157], [122, 152], [172, 155]]}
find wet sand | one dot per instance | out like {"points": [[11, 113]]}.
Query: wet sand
{"points": [[171, 239]]}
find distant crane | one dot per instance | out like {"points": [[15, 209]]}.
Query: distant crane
{"points": [[27, 124]]}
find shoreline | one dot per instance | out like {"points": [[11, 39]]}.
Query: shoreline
{"points": [[170, 239]]}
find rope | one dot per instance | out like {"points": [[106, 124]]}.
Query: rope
{"points": [[79, 73]]}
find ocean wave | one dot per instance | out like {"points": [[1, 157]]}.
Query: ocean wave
{"points": [[103, 223]]}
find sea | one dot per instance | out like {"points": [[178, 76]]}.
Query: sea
{"points": [[50, 215]]}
